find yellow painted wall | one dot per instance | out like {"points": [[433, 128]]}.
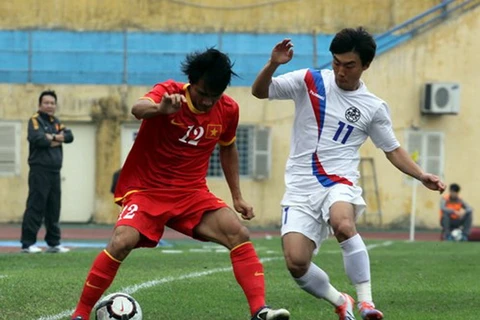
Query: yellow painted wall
{"points": [[101, 105], [293, 16], [447, 53], [75, 104]]}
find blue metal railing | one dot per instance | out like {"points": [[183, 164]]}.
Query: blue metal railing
{"points": [[418, 24], [138, 57], [144, 58]]}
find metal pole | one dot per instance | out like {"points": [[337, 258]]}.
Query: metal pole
{"points": [[413, 210]]}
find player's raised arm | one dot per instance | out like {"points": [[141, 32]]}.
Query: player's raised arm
{"points": [[281, 54], [402, 160], [147, 108]]}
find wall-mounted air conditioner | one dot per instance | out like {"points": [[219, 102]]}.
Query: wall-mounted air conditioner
{"points": [[441, 98]]}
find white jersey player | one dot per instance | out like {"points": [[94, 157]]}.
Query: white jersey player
{"points": [[328, 130], [334, 115]]}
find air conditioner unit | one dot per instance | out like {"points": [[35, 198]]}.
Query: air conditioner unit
{"points": [[441, 98]]}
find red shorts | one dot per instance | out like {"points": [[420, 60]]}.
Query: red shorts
{"points": [[150, 211]]}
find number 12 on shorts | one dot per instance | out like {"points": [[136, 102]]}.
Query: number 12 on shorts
{"points": [[128, 212]]}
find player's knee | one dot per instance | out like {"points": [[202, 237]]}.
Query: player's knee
{"points": [[297, 265], [344, 230], [122, 242], [240, 236]]}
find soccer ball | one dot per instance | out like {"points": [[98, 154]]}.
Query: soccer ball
{"points": [[456, 234], [118, 305]]}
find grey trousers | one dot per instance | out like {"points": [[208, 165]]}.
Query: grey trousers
{"points": [[465, 223]]}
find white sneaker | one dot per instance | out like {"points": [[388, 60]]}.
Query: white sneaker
{"points": [[32, 249], [57, 249], [267, 313]]}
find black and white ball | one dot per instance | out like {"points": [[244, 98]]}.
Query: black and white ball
{"points": [[457, 234], [119, 306]]}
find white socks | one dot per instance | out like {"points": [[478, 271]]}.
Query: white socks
{"points": [[316, 282], [357, 266]]}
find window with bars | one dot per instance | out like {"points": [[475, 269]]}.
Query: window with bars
{"points": [[10, 148], [253, 144], [427, 149]]}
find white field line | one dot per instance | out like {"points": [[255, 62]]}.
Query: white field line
{"points": [[153, 283]]}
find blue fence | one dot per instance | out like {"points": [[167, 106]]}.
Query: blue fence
{"points": [[142, 58], [139, 58]]}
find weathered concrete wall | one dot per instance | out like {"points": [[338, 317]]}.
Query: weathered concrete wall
{"points": [[447, 53], [292, 16]]}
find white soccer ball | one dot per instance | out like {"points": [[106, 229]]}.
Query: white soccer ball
{"points": [[119, 306], [456, 234]]}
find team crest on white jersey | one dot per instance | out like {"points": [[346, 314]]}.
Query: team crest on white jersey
{"points": [[353, 114]]}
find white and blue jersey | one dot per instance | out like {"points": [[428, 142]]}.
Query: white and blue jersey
{"points": [[330, 126]]}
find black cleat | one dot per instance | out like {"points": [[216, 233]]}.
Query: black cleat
{"points": [[267, 313]]}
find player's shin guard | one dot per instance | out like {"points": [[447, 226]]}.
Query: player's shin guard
{"points": [[99, 278], [248, 271], [357, 266]]}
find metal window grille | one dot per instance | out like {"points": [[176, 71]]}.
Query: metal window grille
{"points": [[10, 148], [428, 149], [245, 145]]}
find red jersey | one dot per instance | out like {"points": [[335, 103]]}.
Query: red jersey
{"points": [[173, 151]]}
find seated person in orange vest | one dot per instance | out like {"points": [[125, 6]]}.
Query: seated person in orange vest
{"points": [[455, 213]]}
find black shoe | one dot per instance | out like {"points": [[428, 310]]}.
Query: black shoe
{"points": [[77, 318], [267, 313]]}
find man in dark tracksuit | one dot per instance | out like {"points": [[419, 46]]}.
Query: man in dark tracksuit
{"points": [[46, 136]]}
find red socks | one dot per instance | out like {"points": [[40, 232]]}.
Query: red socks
{"points": [[247, 268], [99, 278], [248, 271]]}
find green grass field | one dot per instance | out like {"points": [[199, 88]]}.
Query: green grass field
{"points": [[193, 280]]}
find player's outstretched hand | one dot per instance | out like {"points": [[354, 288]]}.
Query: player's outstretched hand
{"points": [[282, 52], [244, 208], [171, 103], [432, 182]]}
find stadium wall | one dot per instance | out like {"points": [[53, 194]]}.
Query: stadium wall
{"points": [[264, 16], [446, 53]]}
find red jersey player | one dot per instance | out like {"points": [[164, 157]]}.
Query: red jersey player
{"points": [[163, 181]]}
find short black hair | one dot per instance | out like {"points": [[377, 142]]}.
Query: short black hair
{"points": [[454, 187], [213, 66], [47, 93], [356, 40]]}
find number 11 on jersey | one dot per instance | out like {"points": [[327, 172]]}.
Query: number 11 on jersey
{"points": [[341, 126]]}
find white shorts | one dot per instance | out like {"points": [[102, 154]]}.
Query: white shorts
{"points": [[311, 218]]}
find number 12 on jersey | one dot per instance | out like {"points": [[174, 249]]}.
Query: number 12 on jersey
{"points": [[341, 126]]}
